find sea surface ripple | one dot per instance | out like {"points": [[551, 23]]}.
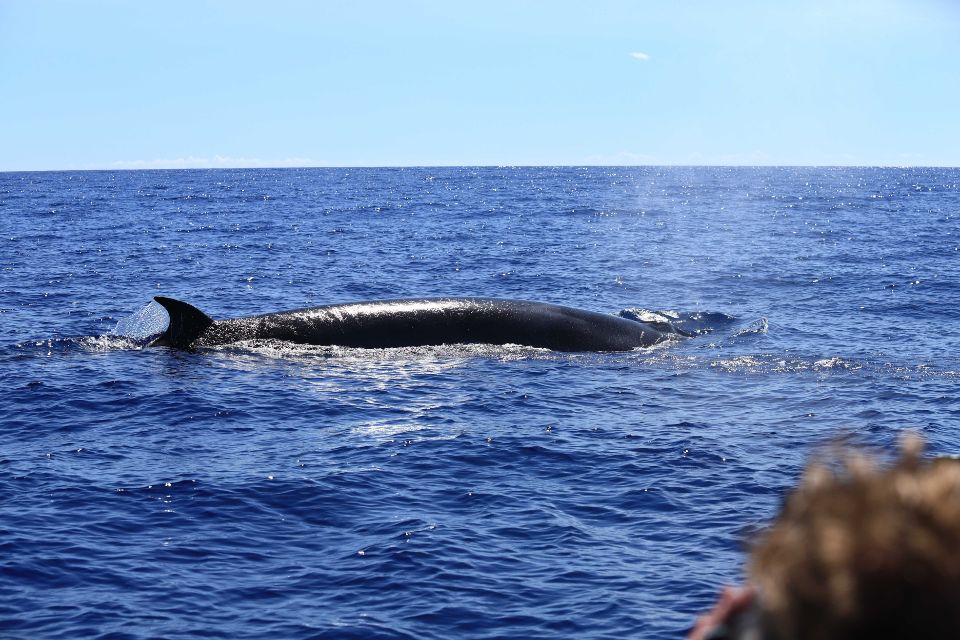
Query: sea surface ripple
{"points": [[269, 490]]}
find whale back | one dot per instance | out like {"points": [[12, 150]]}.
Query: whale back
{"points": [[187, 323], [416, 322]]}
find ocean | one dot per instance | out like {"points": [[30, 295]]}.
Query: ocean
{"points": [[265, 489]]}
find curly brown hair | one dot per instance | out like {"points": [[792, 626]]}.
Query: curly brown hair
{"points": [[862, 550]]}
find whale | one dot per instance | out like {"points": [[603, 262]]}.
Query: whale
{"points": [[414, 323]]}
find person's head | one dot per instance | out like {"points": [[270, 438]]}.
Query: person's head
{"points": [[864, 551]]}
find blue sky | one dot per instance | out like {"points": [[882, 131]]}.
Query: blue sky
{"points": [[110, 84]]}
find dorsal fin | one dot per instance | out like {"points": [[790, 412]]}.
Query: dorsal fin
{"points": [[186, 323]]}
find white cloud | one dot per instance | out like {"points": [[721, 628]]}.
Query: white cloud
{"points": [[639, 55], [203, 162]]}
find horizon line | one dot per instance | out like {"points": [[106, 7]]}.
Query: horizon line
{"points": [[494, 166]]}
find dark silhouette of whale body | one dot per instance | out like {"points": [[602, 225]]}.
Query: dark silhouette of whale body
{"points": [[416, 322]]}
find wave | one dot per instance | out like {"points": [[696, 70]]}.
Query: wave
{"points": [[77, 344]]}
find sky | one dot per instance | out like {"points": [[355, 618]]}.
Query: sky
{"points": [[103, 84]]}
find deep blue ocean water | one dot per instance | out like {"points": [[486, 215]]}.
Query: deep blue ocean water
{"points": [[270, 490]]}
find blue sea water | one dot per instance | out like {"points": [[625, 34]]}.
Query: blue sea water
{"points": [[271, 490]]}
